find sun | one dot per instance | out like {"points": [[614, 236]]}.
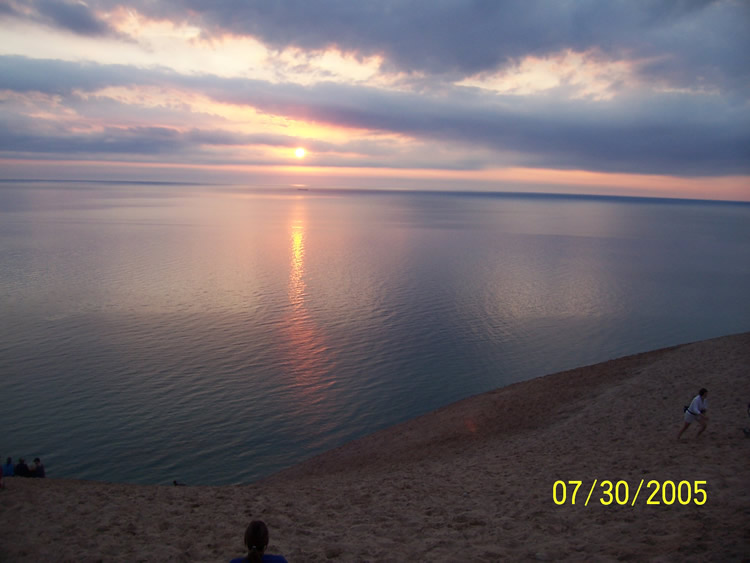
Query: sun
{"points": [[300, 152]]}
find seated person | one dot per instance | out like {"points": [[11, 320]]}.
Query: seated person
{"points": [[256, 541], [8, 469], [22, 470], [38, 468]]}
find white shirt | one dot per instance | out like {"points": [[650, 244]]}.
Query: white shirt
{"points": [[697, 405]]}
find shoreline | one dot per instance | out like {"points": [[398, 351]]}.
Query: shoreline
{"points": [[472, 480]]}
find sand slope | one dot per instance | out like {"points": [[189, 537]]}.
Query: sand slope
{"points": [[470, 482]]}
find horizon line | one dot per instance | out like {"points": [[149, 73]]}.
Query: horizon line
{"points": [[370, 190]]}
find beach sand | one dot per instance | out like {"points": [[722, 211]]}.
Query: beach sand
{"points": [[472, 481]]}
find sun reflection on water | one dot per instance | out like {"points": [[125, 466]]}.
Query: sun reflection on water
{"points": [[297, 268], [308, 356]]}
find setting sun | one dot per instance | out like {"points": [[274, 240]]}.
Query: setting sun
{"points": [[300, 152]]}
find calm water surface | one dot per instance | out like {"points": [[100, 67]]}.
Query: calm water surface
{"points": [[215, 335]]}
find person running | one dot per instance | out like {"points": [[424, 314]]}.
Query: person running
{"points": [[696, 412], [256, 541]]}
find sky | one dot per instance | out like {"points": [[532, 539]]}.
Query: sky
{"points": [[624, 97]]}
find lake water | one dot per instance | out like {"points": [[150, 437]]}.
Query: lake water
{"points": [[217, 334]]}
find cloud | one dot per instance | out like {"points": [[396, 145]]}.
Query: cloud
{"points": [[49, 76], [75, 17], [133, 141], [687, 44], [673, 133]]}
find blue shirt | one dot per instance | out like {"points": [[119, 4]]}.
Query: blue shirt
{"points": [[8, 470]]}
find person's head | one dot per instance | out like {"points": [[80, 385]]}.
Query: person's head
{"points": [[703, 392], [256, 540], [36, 460], [10, 460]]}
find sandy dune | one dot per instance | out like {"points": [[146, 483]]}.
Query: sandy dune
{"points": [[470, 482]]}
